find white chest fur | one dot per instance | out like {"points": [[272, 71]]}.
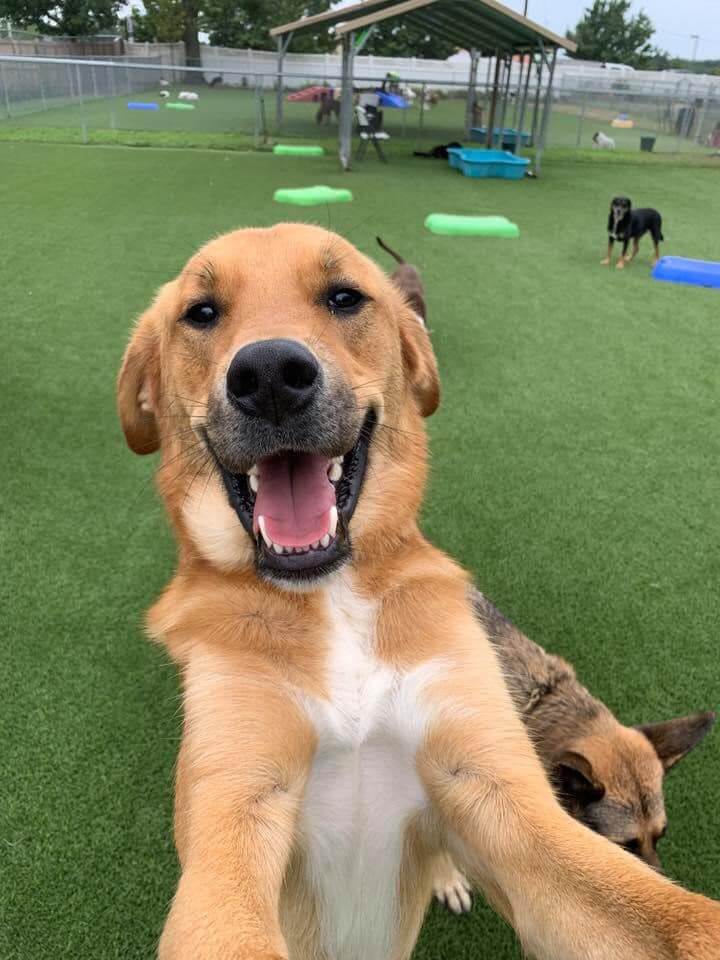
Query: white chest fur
{"points": [[363, 788]]}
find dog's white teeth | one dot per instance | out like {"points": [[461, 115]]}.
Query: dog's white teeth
{"points": [[325, 541], [278, 548], [254, 482], [254, 471], [334, 473], [263, 531], [315, 545], [332, 528]]}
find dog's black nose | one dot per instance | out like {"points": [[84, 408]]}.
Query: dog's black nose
{"points": [[273, 379]]}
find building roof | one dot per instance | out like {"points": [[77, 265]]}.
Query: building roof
{"points": [[483, 25]]}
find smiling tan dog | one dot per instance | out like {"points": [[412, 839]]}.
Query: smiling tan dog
{"points": [[346, 719]]}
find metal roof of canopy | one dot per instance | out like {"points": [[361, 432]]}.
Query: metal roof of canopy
{"points": [[483, 25]]}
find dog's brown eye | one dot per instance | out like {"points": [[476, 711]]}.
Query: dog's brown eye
{"points": [[632, 846], [201, 314], [344, 299]]}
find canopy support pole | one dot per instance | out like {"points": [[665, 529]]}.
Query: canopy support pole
{"points": [[346, 101], [472, 85], [282, 45]]}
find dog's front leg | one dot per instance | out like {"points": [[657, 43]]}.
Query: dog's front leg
{"points": [[608, 258], [570, 894], [242, 768], [623, 256]]}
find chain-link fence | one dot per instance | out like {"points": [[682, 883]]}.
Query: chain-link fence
{"points": [[88, 97], [679, 118]]}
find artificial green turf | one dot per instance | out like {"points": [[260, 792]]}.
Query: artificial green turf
{"points": [[574, 471]]}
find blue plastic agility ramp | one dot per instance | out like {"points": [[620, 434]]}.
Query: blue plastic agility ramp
{"points": [[698, 273]]}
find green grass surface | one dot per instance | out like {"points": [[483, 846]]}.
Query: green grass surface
{"points": [[575, 463]]}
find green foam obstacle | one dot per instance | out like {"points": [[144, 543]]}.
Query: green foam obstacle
{"points": [[452, 225], [291, 150], [308, 196], [180, 106]]}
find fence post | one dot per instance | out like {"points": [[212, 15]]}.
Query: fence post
{"points": [[256, 130], [83, 124], [113, 95], [581, 115], [42, 86], [3, 81], [701, 122], [421, 122]]}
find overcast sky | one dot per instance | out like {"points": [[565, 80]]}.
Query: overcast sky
{"points": [[675, 21]]}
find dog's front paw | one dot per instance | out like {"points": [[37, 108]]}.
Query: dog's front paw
{"points": [[605, 262], [453, 890], [620, 265]]}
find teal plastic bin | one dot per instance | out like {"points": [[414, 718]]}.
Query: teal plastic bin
{"points": [[487, 163]]}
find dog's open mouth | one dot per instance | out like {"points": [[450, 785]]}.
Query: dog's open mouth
{"points": [[297, 506]]}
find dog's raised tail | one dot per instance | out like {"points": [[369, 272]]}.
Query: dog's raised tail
{"points": [[389, 250]]}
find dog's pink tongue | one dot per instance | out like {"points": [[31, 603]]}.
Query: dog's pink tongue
{"points": [[294, 496]]}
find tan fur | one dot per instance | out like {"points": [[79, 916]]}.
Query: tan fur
{"points": [[250, 654]]}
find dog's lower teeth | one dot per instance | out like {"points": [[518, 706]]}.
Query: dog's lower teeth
{"points": [[325, 541], [335, 472]]}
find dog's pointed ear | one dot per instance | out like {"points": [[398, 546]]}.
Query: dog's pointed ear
{"points": [[419, 362], [674, 739], [138, 383], [575, 780]]}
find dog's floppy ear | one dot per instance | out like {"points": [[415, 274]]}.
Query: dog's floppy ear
{"points": [[138, 383], [575, 780], [674, 739], [420, 363]]}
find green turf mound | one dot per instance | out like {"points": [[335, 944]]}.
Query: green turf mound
{"points": [[452, 225], [292, 150], [309, 196]]}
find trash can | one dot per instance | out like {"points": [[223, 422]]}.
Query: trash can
{"points": [[647, 144]]}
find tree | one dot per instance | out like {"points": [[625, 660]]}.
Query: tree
{"points": [[609, 33], [70, 18], [163, 21], [247, 23]]}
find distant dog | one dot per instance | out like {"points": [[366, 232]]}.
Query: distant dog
{"points": [[608, 776], [328, 108], [188, 95], [164, 94], [626, 224], [407, 278], [602, 142]]}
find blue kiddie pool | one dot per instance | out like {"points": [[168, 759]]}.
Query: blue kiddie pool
{"points": [[487, 163], [509, 136], [142, 105], [697, 273]]}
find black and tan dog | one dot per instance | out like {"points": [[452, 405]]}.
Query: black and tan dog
{"points": [[607, 775], [626, 224]]}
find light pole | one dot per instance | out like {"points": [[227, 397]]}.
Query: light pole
{"points": [[695, 38]]}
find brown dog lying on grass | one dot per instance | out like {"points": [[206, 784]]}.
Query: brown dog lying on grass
{"points": [[346, 720], [608, 776]]}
